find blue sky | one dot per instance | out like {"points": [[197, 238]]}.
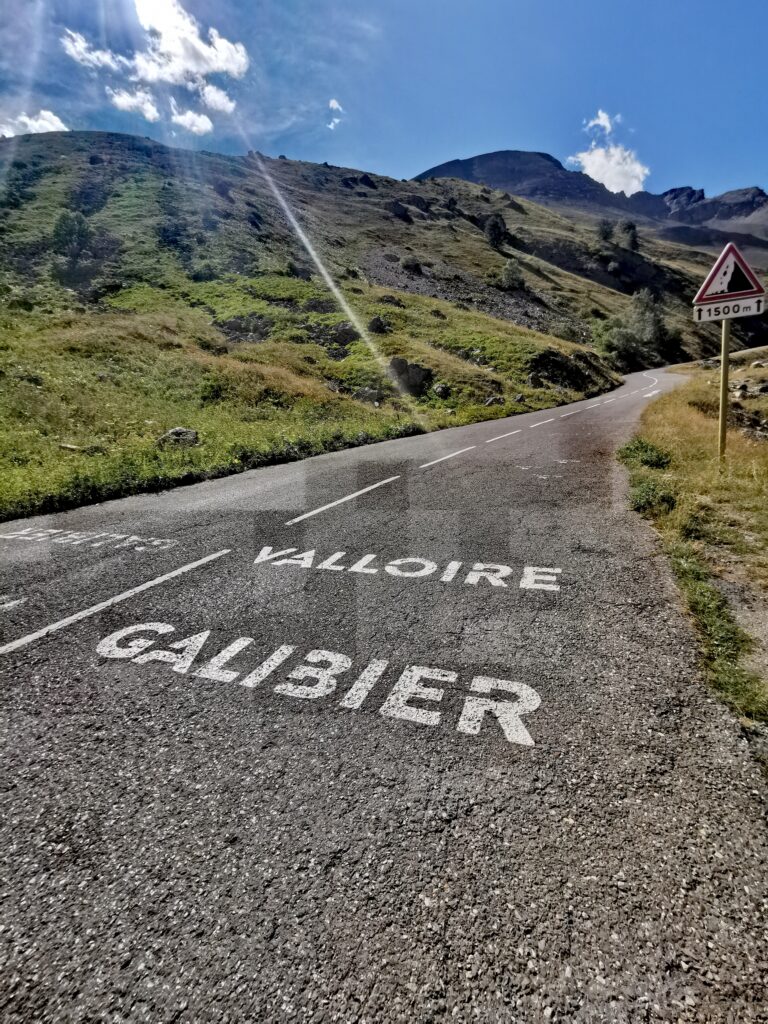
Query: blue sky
{"points": [[674, 93]]}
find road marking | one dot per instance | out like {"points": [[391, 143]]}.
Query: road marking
{"points": [[542, 422], [75, 538], [608, 401], [499, 438], [410, 567], [651, 394], [594, 406], [318, 675], [573, 413], [340, 501], [453, 455], [14, 645], [6, 601]]}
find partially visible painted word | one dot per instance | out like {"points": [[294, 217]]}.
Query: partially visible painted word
{"points": [[318, 674], [91, 539], [493, 574]]}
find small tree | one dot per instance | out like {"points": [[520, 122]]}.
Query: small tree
{"points": [[511, 277], [495, 230], [628, 235], [71, 235], [605, 229]]}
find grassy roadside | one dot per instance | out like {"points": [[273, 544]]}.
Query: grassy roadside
{"points": [[714, 524]]}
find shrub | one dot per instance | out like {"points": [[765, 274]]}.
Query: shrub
{"points": [[627, 231], [511, 277], [648, 497], [644, 453], [605, 229], [411, 264], [71, 235], [495, 230]]}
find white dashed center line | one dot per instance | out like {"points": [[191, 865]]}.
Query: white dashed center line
{"points": [[542, 422], [608, 401], [573, 413], [503, 435], [453, 455], [340, 501]]}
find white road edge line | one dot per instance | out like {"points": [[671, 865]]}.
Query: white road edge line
{"points": [[340, 501], [518, 431], [461, 451], [542, 422], [14, 645]]}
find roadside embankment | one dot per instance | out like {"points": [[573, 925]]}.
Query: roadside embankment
{"points": [[714, 522]]}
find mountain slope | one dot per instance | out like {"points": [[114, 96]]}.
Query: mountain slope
{"points": [[542, 178], [144, 288]]}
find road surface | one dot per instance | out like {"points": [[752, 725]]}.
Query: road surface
{"points": [[411, 732]]}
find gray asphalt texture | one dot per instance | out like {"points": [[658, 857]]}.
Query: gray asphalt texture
{"points": [[180, 848]]}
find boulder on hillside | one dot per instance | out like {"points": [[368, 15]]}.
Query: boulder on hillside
{"points": [[378, 325], [367, 180], [397, 209], [442, 390], [178, 437], [410, 377]]}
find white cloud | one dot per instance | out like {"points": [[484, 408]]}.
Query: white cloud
{"points": [[79, 49], [603, 121], [614, 166], [216, 99], [335, 105], [176, 51], [333, 122], [198, 124], [140, 101], [43, 121]]}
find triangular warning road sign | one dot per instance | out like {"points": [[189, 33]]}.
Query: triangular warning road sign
{"points": [[730, 278]]}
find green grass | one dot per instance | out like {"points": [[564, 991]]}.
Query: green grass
{"points": [[724, 643], [710, 518]]}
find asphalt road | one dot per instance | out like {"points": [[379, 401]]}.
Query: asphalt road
{"points": [[436, 752]]}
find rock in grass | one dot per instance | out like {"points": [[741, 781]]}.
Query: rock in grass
{"points": [[378, 325], [410, 377], [494, 400], [442, 390], [178, 437]]}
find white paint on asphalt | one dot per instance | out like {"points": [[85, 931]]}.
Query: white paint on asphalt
{"points": [[54, 627], [6, 601], [412, 567], [572, 413], [608, 401], [453, 455], [651, 394], [340, 501], [542, 422], [538, 578], [317, 676], [501, 436], [92, 539]]}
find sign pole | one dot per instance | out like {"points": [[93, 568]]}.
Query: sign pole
{"points": [[724, 365]]}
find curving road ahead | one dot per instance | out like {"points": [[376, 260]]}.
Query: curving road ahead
{"points": [[405, 733]]}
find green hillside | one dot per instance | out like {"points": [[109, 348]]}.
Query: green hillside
{"points": [[176, 294]]}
